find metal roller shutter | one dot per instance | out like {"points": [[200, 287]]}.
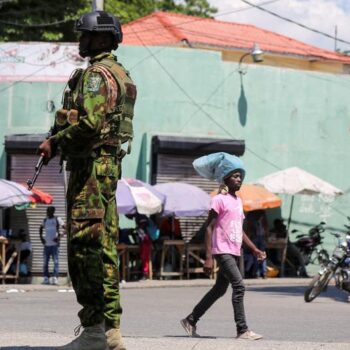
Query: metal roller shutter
{"points": [[51, 181], [178, 168], [172, 158]]}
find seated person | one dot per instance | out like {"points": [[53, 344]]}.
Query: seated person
{"points": [[128, 236], [257, 230], [170, 228], [26, 251], [279, 229]]}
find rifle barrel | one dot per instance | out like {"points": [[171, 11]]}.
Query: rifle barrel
{"points": [[38, 166]]}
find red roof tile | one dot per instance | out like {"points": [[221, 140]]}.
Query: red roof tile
{"points": [[166, 28]]}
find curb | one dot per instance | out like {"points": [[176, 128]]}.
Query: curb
{"points": [[21, 288]]}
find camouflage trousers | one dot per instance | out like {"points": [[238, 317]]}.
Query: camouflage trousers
{"points": [[92, 236]]}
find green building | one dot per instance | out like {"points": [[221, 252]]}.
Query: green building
{"points": [[196, 98]]}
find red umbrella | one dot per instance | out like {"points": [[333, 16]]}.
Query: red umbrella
{"points": [[40, 197]]}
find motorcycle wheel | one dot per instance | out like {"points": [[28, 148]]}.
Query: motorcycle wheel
{"points": [[316, 286]]}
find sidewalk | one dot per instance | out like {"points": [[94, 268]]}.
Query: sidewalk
{"points": [[157, 284], [52, 340]]}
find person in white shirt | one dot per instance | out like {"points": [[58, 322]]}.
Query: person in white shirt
{"points": [[51, 227]]}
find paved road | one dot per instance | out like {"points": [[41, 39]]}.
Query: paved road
{"points": [[40, 319]]}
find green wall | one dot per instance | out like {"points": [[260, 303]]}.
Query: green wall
{"points": [[287, 117]]}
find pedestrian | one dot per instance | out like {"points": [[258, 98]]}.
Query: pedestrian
{"points": [[90, 136], [142, 228], [223, 240], [26, 252], [49, 232]]}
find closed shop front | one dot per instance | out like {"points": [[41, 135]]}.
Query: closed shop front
{"points": [[21, 160], [172, 159]]}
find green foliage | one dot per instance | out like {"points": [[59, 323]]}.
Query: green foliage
{"points": [[42, 20], [200, 8], [27, 20], [128, 11]]}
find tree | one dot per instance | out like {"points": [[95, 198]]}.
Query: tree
{"points": [[200, 8], [41, 20]]}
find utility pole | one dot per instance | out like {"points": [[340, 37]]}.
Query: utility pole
{"points": [[97, 5]]}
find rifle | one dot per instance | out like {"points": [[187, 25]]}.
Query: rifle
{"points": [[39, 164]]}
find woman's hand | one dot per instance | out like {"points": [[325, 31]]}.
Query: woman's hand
{"points": [[208, 266], [260, 255]]}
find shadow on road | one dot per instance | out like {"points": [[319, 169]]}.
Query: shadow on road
{"points": [[332, 292], [27, 347], [186, 336]]}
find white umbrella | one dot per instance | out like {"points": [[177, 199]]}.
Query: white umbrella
{"points": [[12, 193], [183, 199], [135, 196], [296, 181]]}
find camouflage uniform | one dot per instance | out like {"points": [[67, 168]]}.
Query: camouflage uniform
{"points": [[94, 164]]}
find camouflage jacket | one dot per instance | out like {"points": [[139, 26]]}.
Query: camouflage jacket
{"points": [[95, 96]]}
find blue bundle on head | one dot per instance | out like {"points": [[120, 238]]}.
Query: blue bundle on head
{"points": [[217, 166]]}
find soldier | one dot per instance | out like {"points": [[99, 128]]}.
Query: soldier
{"points": [[89, 131]]}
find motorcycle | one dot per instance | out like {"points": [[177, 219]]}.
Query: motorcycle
{"points": [[310, 245], [338, 267], [307, 249]]}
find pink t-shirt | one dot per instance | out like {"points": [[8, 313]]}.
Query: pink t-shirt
{"points": [[228, 233]]}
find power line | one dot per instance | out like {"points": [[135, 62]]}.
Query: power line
{"points": [[198, 19], [15, 24], [35, 25], [38, 10], [199, 107], [29, 75], [257, 6], [245, 8], [222, 37], [179, 86], [146, 58], [212, 94], [163, 48]]}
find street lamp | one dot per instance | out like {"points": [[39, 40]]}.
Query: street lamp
{"points": [[257, 56]]}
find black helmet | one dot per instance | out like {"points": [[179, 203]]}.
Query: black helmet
{"points": [[100, 21]]}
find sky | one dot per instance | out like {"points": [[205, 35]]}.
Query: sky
{"points": [[322, 15]]}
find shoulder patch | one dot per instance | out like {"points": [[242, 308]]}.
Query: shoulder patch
{"points": [[94, 82]]}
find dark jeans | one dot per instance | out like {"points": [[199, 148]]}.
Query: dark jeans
{"points": [[51, 251], [228, 274]]}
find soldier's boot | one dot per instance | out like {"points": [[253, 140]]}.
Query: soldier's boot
{"points": [[114, 339], [92, 338]]}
